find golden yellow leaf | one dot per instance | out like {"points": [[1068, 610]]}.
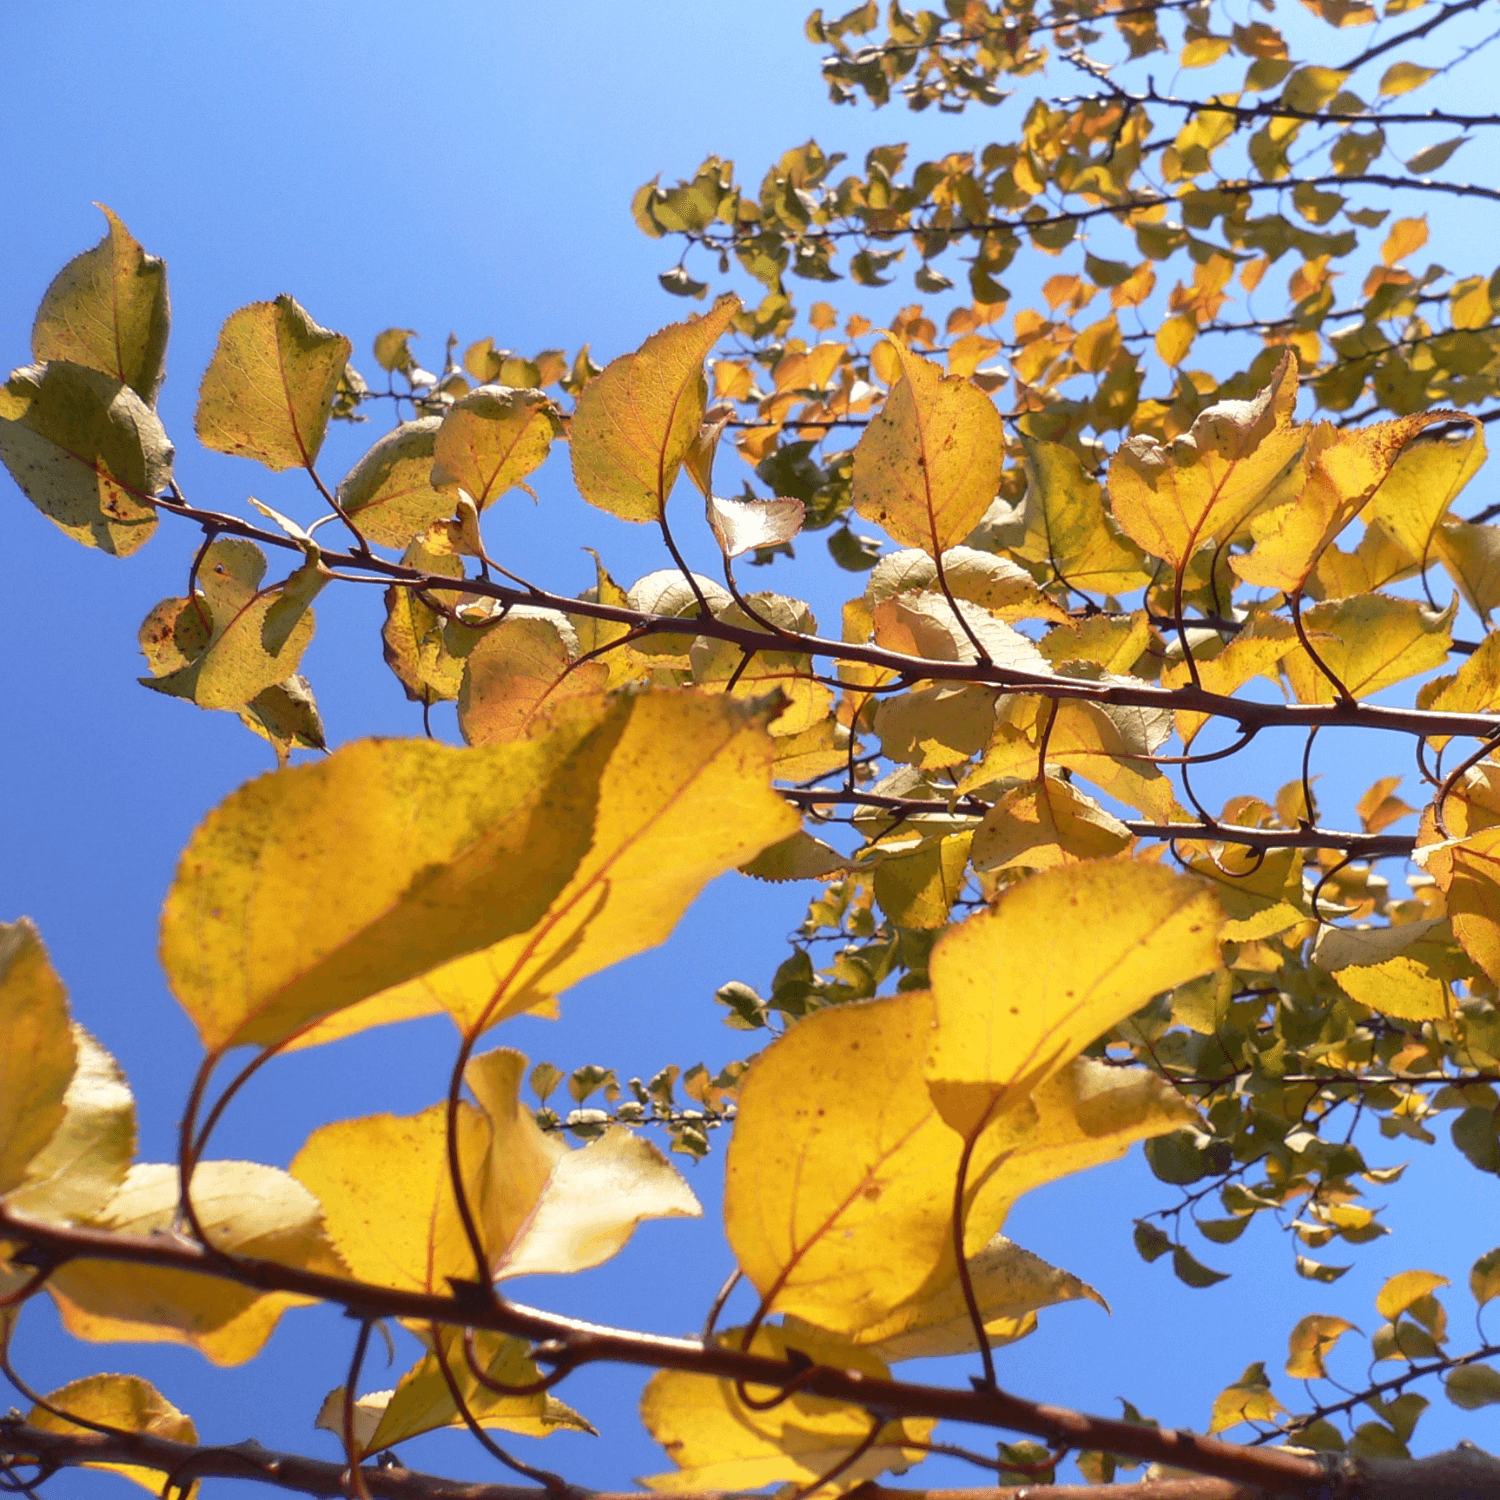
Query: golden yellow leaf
{"points": [[1254, 652], [1473, 689], [108, 309], [1403, 77], [1261, 892], [246, 1209], [1115, 643], [715, 663], [928, 465], [1021, 989], [1471, 554], [685, 796], [916, 888], [1469, 876], [1249, 1399], [928, 625], [1344, 469], [389, 493], [422, 1401], [519, 668], [1402, 986], [413, 636], [306, 891], [74, 1176], [1405, 1287], [492, 439], [269, 389], [1423, 484], [87, 451], [718, 1443], [1310, 1340], [813, 752], [126, 1403], [1067, 528], [592, 1203], [1238, 458], [1044, 823], [1010, 1284], [636, 422], [37, 1053], [938, 726], [1175, 337], [1367, 642]]}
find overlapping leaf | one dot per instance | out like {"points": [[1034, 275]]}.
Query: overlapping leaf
{"points": [[491, 439], [389, 493], [124, 1403]]}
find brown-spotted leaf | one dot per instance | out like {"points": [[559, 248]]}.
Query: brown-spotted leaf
{"points": [[928, 465], [108, 309], [1422, 486], [1044, 823], [1367, 642], [520, 668], [636, 422], [269, 389], [87, 451]]}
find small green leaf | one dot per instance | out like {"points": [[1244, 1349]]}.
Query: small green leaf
{"points": [[1192, 1272], [1150, 1242], [1473, 1386]]}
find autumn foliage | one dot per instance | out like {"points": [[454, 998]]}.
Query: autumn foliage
{"points": [[1049, 948]]}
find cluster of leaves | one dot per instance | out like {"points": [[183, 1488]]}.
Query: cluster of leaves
{"points": [[998, 746]]}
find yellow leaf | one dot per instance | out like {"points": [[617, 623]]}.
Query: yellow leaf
{"points": [[1254, 652], [1021, 989], [1470, 878], [413, 634], [1066, 525], [389, 492], [87, 451], [1367, 642], [839, 1177], [107, 309], [74, 1176], [1310, 1341], [1204, 51], [306, 891], [1175, 337], [719, 1443], [592, 1203], [37, 1053], [1473, 689], [938, 726], [1249, 1399], [636, 422], [1115, 643], [1010, 1285], [256, 636], [269, 389], [928, 465], [126, 1403], [245, 1209], [520, 668], [1403, 77], [917, 889], [1405, 1288], [492, 439], [1045, 823], [1261, 892], [1238, 458], [1405, 238], [800, 857], [1423, 484], [927, 625], [715, 663], [422, 1401], [1402, 986], [685, 796], [1471, 554], [996, 584], [813, 752], [1344, 469]]}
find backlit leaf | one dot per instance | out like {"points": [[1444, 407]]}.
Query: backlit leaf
{"points": [[1367, 642], [246, 1209], [635, 422], [125, 1403], [492, 439], [1471, 554], [87, 451], [1403, 1289], [742, 525], [309, 890], [1249, 1399], [519, 668], [107, 309], [1045, 823], [1021, 989], [1422, 486], [269, 389], [928, 465], [995, 584], [1310, 1342], [37, 1052], [718, 1443]]}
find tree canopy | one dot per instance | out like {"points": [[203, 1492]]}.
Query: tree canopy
{"points": [[1126, 529]]}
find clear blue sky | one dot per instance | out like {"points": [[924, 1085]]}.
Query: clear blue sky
{"points": [[465, 167]]}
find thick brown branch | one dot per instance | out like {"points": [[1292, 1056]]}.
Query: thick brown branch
{"points": [[312, 1476], [1247, 713], [572, 1342]]}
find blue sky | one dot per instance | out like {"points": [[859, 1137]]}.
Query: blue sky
{"points": [[465, 167]]}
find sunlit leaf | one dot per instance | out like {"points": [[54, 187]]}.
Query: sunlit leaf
{"points": [[492, 439], [269, 389], [1310, 1342], [87, 451], [995, 584], [742, 525], [1422, 486], [519, 668], [1367, 642], [1045, 823], [1249, 1399], [389, 492], [928, 465], [108, 309], [635, 422], [126, 1403], [1021, 989]]}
